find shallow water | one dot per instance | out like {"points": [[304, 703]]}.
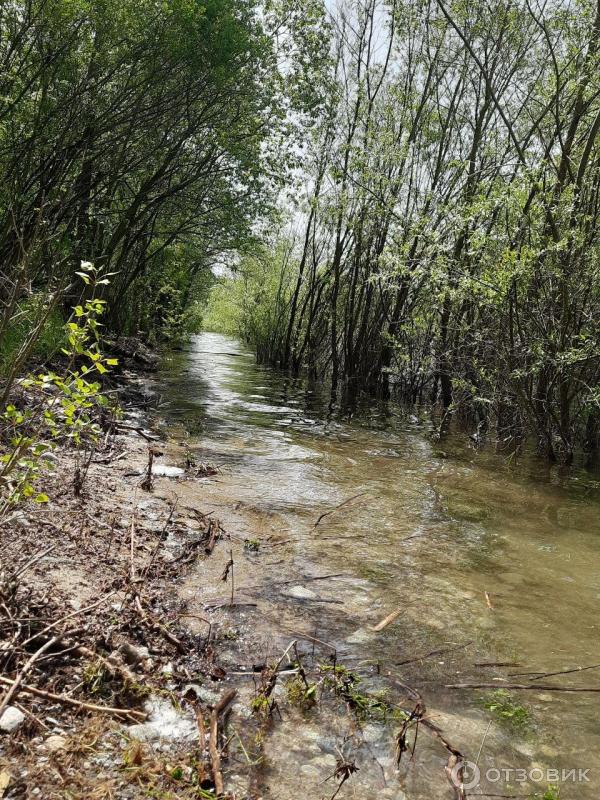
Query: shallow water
{"points": [[436, 529]]}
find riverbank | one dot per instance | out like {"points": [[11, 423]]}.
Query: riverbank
{"points": [[332, 668], [118, 661], [134, 615], [89, 596]]}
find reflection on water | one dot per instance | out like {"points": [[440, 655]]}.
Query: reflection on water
{"points": [[439, 530]]}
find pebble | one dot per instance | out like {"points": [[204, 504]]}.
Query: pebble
{"points": [[359, 637], [11, 719], [300, 593], [309, 770], [165, 722], [55, 743], [372, 733]]}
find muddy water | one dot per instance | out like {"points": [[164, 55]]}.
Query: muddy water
{"points": [[487, 561]]}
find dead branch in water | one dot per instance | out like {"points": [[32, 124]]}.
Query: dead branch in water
{"points": [[213, 535], [540, 675], [213, 745], [540, 687], [431, 653], [337, 508], [387, 620], [454, 765]]}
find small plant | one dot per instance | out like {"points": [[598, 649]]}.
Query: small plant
{"points": [[251, 545], [365, 705], [261, 704], [551, 793], [59, 407], [502, 705], [96, 679], [301, 695]]}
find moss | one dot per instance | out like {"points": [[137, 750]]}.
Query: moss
{"points": [[467, 511]]}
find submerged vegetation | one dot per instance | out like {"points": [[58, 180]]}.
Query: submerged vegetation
{"points": [[502, 705]]}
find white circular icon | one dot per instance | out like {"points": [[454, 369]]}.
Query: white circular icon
{"points": [[465, 774]]}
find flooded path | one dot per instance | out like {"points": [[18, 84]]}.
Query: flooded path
{"points": [[485, 561]]}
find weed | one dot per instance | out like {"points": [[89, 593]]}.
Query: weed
{"points": [[365, 705], [551, 793], [502, 705], [261, 704], [301, 695]]}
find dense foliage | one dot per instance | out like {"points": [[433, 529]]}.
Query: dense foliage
{"points": [[445, 247], [132, 136], [437, 164]]}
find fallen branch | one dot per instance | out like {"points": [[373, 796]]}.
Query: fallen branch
{"points": [[303, 579], [70, 701], [227, 604], [337, 508], [159, 627], [28, 665], [213, 744], [540, 687], [34, 559], [149, 437], [69, 616]]}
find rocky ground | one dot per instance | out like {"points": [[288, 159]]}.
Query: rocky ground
{"points": [[96, 657]]}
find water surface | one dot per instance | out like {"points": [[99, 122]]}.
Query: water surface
{"points": [[489, 559]]}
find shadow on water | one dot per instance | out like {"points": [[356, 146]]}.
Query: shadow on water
{"points": [[471, 546]]}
